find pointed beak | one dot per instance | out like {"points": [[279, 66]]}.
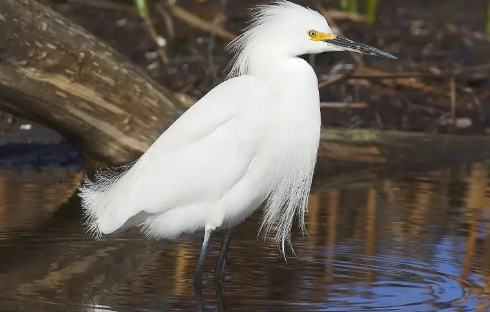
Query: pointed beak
{"points": [[362, 48]]}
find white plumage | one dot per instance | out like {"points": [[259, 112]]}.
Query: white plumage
{"points": [[251, 139]]}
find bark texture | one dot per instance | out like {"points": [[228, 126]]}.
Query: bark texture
{"points": [[56, 73]]}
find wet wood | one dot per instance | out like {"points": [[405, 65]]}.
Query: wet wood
{"points": [[377, 147], [355, 158], [56, 73]]}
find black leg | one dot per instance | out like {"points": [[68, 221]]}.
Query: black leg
{"points": [[200, 263], [220, 295], [219, 271], [199, 301]]}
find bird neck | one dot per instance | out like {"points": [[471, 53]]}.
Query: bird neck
{"points": [[277, 71]]}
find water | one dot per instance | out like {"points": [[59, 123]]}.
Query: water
{"points": [[420, 242]]}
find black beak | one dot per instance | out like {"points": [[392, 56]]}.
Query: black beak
{"points": [[350, 45]]}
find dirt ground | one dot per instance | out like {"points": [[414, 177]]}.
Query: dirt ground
{"points": [[438, 84]]}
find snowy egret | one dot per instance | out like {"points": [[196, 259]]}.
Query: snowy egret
{"points": [[253, 139]]}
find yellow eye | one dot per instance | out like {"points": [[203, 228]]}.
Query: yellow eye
{"points": [[312, 34]]}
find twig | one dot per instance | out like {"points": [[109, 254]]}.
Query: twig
{"points": [[385, 75], [169, 23], [375, 74], [104, 4], [452, 85], [469, 69], [332, 81], [344, 15], [197, 22], [218, 18], [404, 78], [404, 82], [159, 41], [343, 105], [378, 118], [144, 13]]}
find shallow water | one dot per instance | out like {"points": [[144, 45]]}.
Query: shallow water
{"points": [[415, 243]]}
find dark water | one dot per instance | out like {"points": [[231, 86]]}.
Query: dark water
{"points": [[414, 243]]}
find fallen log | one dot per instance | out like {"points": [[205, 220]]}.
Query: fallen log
{"points": [[346, 155], [58, 74]]}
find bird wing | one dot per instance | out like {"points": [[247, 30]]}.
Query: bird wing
{"points": [[205, 152]]}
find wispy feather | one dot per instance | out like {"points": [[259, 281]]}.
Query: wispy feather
{"points": [[289, 197], [101, 197], [262, 17]]}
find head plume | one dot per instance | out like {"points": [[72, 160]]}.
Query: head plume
{"points": [[265, 21]]}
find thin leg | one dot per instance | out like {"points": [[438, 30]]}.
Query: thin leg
{"points": [[199, 301], [219, 271], [220, 296], [202, 258]]}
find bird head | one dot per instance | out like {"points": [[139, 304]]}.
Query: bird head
{"points": [[286, 28], [301, 30]]}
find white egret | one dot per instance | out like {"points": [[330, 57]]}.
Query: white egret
{"points": [[253, 139]]}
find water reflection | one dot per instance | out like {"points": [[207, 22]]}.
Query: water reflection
{"points": [[417, 243]]}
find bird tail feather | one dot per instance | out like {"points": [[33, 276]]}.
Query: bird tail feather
{"points": [[104, 200]]}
